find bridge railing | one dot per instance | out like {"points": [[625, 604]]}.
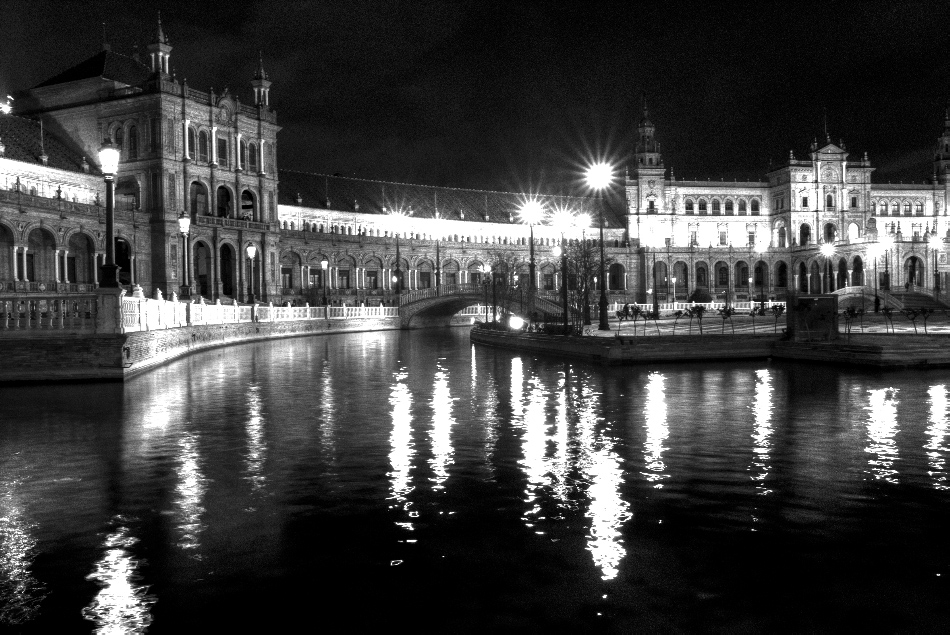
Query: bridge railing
{"points": [[415, 295]]}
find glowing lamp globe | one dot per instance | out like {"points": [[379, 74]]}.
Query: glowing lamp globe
{"points": [[531, 212], [251, 251], [184, 223], [599, 176], [109, 157], [516, 322]]}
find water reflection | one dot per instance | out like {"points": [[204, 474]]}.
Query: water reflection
{"points": [[400, 442], [191, 488], [882, 427], [762, 411], [123, 604], [254, 460], [534, 441], [657, 430], [20, 593], [441, 433], [937, 435], [603, 470], [560, 465]]}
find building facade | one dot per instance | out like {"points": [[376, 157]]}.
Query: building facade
{"points": [[815, 224], [317, 238]]}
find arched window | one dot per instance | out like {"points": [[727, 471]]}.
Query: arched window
{"points": [[829, 201], [119, 140], [883, 209], [225, 209], [755, 206], [203, 147], [729, 210], [722, 276], [742, 207], [198, 195], [192, 143], [689, 206], [804, 235], [782, 237], [919, 209], [829, 233], [242, 158], [702, 206], [248, 211], [252, 157], [223, 151], [906, 209], [715, 207], [782, 277], [873, 208], [133, 142]]}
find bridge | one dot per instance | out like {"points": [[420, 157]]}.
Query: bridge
{"points": [[436, 306]]}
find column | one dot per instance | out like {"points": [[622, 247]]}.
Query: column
{"points": [[849, 277], [23, 260], [184, 124], [56, 262], [808, 281], [66, 266], [796, 282], [305, 276], [214, 153], [95, 268]]}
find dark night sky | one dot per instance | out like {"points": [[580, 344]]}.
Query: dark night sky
{"points": [[517, 95]]}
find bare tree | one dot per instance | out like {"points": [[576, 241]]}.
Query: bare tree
{"points": [[505, 266]]}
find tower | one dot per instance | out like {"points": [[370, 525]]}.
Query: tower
{"points": [[160, 50], [648, 150], [261, 85], [942, 152]]}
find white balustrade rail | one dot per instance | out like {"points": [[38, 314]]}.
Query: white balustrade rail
{"points": [[76, 314], [145, 314]]}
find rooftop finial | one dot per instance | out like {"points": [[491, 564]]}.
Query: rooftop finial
{"points": [[827, 136], [160, 35], [260, 66], [105, 40]]}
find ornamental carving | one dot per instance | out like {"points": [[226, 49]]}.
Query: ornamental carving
{"points": [[829, 174]]}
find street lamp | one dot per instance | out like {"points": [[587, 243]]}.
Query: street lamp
{"points": [[324, 265], [531, 214], [562, 220], [673, 279], [109, 162], [251, 251], [184, 226], [485, 270], [887, 243], [599, 177]]}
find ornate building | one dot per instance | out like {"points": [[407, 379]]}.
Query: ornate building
{"points": [[815, 224], [212, 158]]}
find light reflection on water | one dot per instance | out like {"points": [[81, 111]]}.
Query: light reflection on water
{"points": [[123, 604], [400, 439], [566, 483], [882, 428], [20, 593], [937, 430], [762, 411], [654, 415], [441, 432]]}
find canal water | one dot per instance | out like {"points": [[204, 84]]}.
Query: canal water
{"points": [[413, 481]]}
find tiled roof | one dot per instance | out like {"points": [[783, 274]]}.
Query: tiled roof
{"points": [[21, 138], [377, 197], [105, 64]]}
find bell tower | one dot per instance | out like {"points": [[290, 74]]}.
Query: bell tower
{"points": [[160, 50], [261, 85], [942, 152]]}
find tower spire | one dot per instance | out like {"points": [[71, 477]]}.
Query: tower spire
{"points": [[260, 83], [160, 50]]}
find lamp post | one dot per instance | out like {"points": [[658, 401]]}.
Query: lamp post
{"points": [[599, 177], [251, 251], [562, 220], [324, 265], [673, 279], [485, 270], [184, 226], [656, 302], [397, 276], [109, 162], [827, 251], [531, 214]]}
